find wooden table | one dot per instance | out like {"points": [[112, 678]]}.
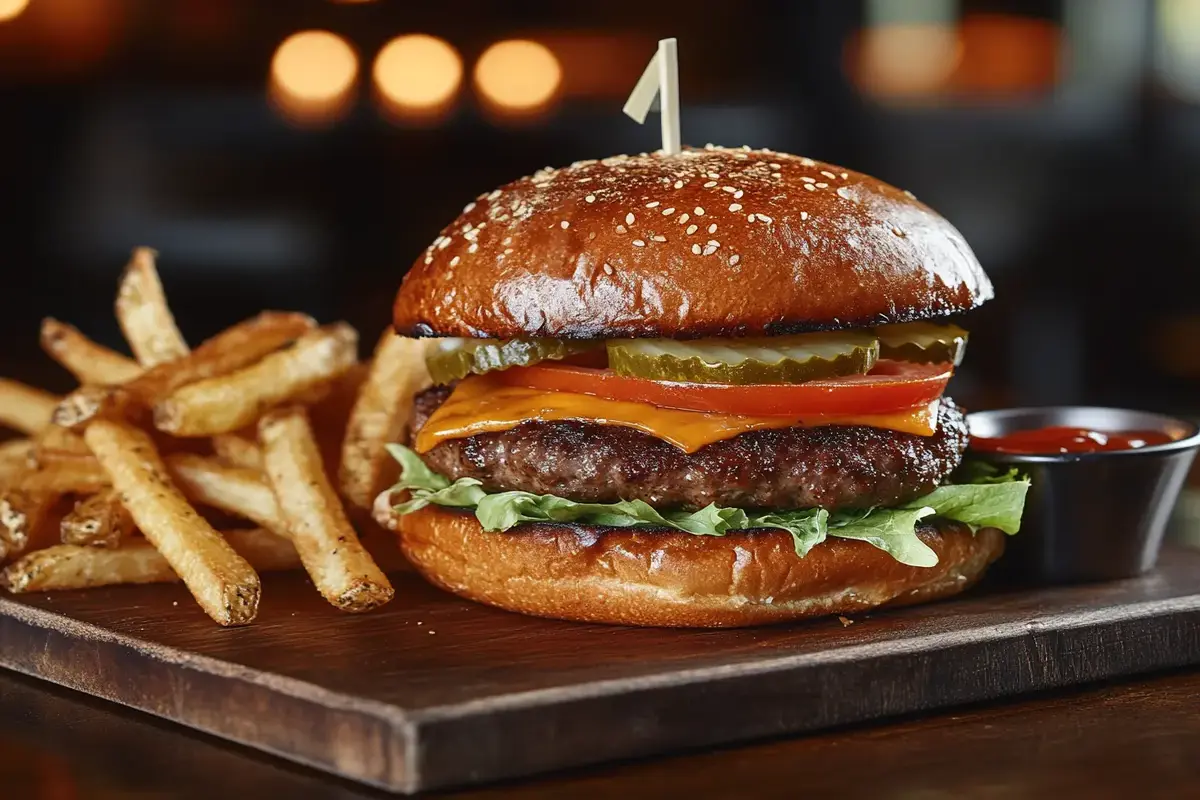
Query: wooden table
{"points": [[1133, 739]]}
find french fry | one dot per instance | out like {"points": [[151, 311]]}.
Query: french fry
{"points": [[143, 313], [237, 490], [89, 362], [55, 441], [339, 566], [238, 450], [224, 584], [56, 475], [135, 561], [228, 351], [227, 403], [86, 403], [97, 521], [14, 459], [383, 408], [24, 517], [25, 408]]}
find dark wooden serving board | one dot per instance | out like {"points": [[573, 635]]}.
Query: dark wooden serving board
{"points": [[433, 691]]}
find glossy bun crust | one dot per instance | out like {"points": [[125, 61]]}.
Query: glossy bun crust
{"points": [[711, 242], [626, 577]]}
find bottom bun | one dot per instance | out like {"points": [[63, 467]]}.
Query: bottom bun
{"points": [[672, 579]]}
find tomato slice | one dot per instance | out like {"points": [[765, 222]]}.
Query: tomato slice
{"points": [[890, 386]]}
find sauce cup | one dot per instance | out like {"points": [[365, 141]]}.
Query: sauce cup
{"points": [[1090, 516]]}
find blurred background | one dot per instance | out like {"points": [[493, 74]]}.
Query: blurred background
{"points": [[300, 154]]}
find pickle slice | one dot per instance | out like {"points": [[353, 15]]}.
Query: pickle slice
{"points": [[452, 359], [922, 342], [775, 359]]}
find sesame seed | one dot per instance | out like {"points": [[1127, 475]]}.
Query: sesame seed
{"points": [[803, 215], [652, 204], [657, 238], [776, 175], [621, 229], [845, 175], [668, 211], [428, 259], [746, 147], [738, 194], [698, 211], [591, 198], [750, 218], [678, 184], [807, 179], [712, 228], [444, 243], [822, 185], [710, 184], [711, 248], [844, 193], [608, 270], [684, 217], [909, 194], [629, 218], [897, 231], [454, 261], [696, 249], [473, 248], [734, 259], [735, 207], [810, 187], [729, 189], [507, 240], [775, 165], [716, 176], [828, 174], [691, 229], [740, 156], [471, 234], [638, 243], [468, 208], [494, 194], [766, 219], [565, 224], [508, 251]]}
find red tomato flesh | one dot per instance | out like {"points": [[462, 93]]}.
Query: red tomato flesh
{"points": [[890, 386]]}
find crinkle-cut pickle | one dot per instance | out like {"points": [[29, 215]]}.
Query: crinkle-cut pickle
{"points": [[453, 359], [776, 359], [922, 342]]}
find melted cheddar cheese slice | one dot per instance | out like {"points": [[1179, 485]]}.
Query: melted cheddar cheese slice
{"points": [[480, 406]]}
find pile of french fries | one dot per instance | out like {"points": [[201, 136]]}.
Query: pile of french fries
{"points": [[142, 474]]}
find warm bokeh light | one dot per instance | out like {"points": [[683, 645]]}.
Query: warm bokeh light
{"points": [[11, 9], [518, 75], [905, 60], [1006, 54], [314, 65], [418, 74]]}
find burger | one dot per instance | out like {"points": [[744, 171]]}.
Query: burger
{"points": [[694, 390]]}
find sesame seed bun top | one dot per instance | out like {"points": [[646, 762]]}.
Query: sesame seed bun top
{"points": [[709, 242]]}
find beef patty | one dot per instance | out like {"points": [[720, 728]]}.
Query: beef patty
{"points": [[832, 466]]}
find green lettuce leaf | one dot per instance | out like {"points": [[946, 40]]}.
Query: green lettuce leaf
{"points": [[996, 501], [892, 530], [980, 505]]}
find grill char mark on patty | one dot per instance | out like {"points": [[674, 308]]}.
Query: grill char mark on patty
{"points": [[831, 466]]}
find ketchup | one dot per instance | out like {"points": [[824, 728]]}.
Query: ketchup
{"points": [[1063, 439]]}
